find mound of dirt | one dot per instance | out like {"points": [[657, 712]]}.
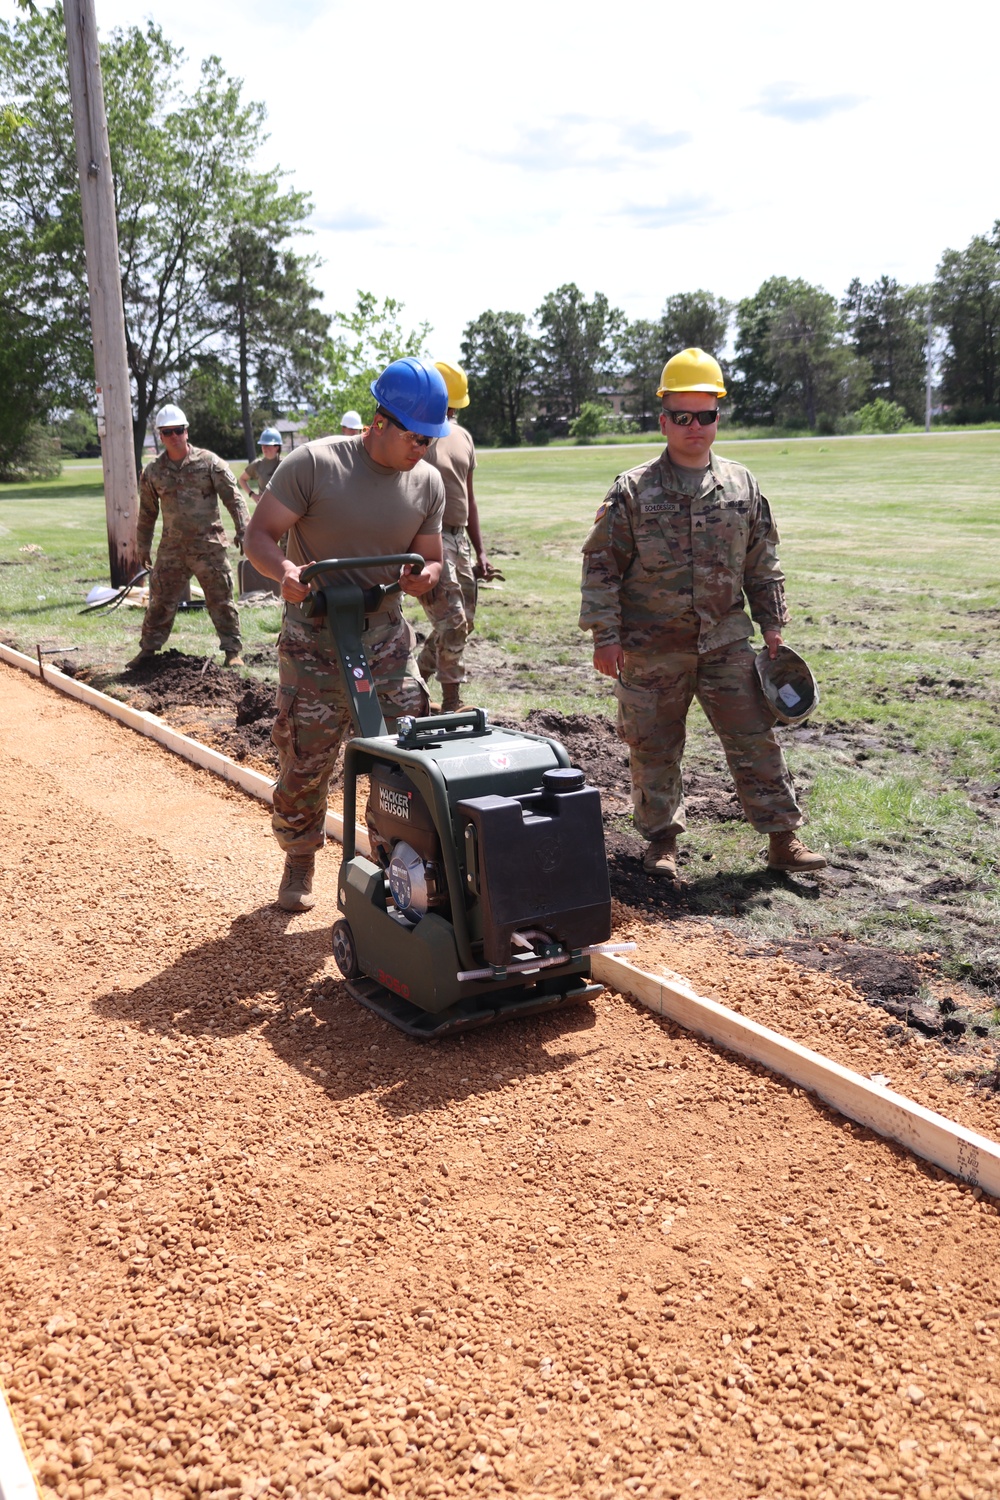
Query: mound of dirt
{"points": [[173, 680]]}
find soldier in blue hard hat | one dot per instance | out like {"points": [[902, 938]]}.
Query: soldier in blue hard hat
{"points": [[259, 471], [366, 496]]}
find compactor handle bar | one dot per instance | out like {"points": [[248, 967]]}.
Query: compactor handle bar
{"points": [[331, 564]]}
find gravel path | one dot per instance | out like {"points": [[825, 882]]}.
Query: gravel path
{"points": [[256, 1243]]}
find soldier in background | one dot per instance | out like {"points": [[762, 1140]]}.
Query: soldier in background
{"points": [[259, 471], [451, 608], [184, 485], [676, 546]]}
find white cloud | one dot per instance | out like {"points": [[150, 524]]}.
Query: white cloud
{"points": [[581, 143], [690, 208], [784, 101]]}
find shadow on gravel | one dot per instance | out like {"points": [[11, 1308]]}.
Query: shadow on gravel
{"points": [[259, 976]]}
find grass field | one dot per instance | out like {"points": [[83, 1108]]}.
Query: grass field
{"points": [[890, 549]]}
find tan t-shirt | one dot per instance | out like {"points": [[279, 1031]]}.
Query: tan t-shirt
{"points": [[261, 470], [454, 457], [350, 506]]}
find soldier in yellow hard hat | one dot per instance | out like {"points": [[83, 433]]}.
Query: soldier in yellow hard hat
{"points": [[451, 608], [677, 548]]}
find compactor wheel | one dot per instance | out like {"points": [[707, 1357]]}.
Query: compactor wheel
{"points": [[345, 954]]}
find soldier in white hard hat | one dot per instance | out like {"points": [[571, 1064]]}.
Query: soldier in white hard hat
{"points": [[677, 546], [351, 424], [184, 486]]}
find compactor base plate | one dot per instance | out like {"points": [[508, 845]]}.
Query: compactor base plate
{"points": [[467, 1014]]}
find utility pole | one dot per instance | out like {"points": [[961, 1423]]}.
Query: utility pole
{"points": [[107, 315], [929, 382]]}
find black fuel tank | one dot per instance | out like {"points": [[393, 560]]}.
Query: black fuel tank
{"points": [[541, 863]]}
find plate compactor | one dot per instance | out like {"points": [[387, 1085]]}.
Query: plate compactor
{"points": [[486, 888]]}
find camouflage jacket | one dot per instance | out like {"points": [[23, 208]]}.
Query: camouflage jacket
{"points": [[188, 496], [665, 571]]}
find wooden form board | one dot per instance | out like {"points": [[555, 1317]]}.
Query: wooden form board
{"points": [[972, 1157], [16, 1479], [154, 727]]}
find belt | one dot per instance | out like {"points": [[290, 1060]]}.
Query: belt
{"points": [[455, 530]]}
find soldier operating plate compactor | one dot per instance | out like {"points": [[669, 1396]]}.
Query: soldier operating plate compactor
{"points": [[486, 888]]}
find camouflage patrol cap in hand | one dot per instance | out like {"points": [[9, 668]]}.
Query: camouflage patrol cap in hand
{"points": [[788, 684]]}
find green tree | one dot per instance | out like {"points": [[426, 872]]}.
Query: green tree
{"points": [[372, 337], [498, 355], [77, 434], [793, 364], [642, 355], [880, 416], [181, 162], [274, 333], [887, 324], [590, 423], [576, 349], [210, 397], [967, 304], [695, 320]]}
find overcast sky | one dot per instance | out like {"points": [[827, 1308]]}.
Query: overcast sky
{"points": [[478, 157]]}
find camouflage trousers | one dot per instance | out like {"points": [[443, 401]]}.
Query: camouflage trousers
{"points": [[313, 717], [654, 696], [175, 562], [451, 608]]}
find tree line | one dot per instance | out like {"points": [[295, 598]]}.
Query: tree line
{"points": [[793, 354], [220, 310], [223, 315]]}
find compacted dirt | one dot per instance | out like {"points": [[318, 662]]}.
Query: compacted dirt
{"points": [[256, 1243]]}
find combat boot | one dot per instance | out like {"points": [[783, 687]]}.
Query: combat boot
{"points": [[295, 893], [660, 857], [451, 697], [787, 852], [233, 659], [146, 654]]}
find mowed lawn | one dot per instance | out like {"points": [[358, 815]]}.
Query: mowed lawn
{"points": [[890, 547]]}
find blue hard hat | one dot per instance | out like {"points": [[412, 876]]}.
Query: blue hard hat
{"points": [[269, 435], [416, 395]]}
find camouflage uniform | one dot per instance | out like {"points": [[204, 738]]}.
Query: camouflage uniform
{"points": [[665, 574], [313, 715], [187, 497], [451, 608]]}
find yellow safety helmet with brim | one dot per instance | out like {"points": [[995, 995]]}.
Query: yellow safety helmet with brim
{"points": [[692, 370], [457, 382], [788, 684]]}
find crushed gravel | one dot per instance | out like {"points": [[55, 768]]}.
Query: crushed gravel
{"points": [[255, 1243]]}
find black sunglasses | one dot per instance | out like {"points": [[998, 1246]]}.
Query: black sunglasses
{"points": [[685, 418], [414, 437], [172, 431]]}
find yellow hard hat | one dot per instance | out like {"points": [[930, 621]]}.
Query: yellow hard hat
{"points": [[457, 382], [691, 370]]}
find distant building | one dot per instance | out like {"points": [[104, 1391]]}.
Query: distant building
{"points": [[293, 434]]}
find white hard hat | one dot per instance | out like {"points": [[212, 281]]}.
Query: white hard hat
{"points": [[352, 419], [169, 416]]}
